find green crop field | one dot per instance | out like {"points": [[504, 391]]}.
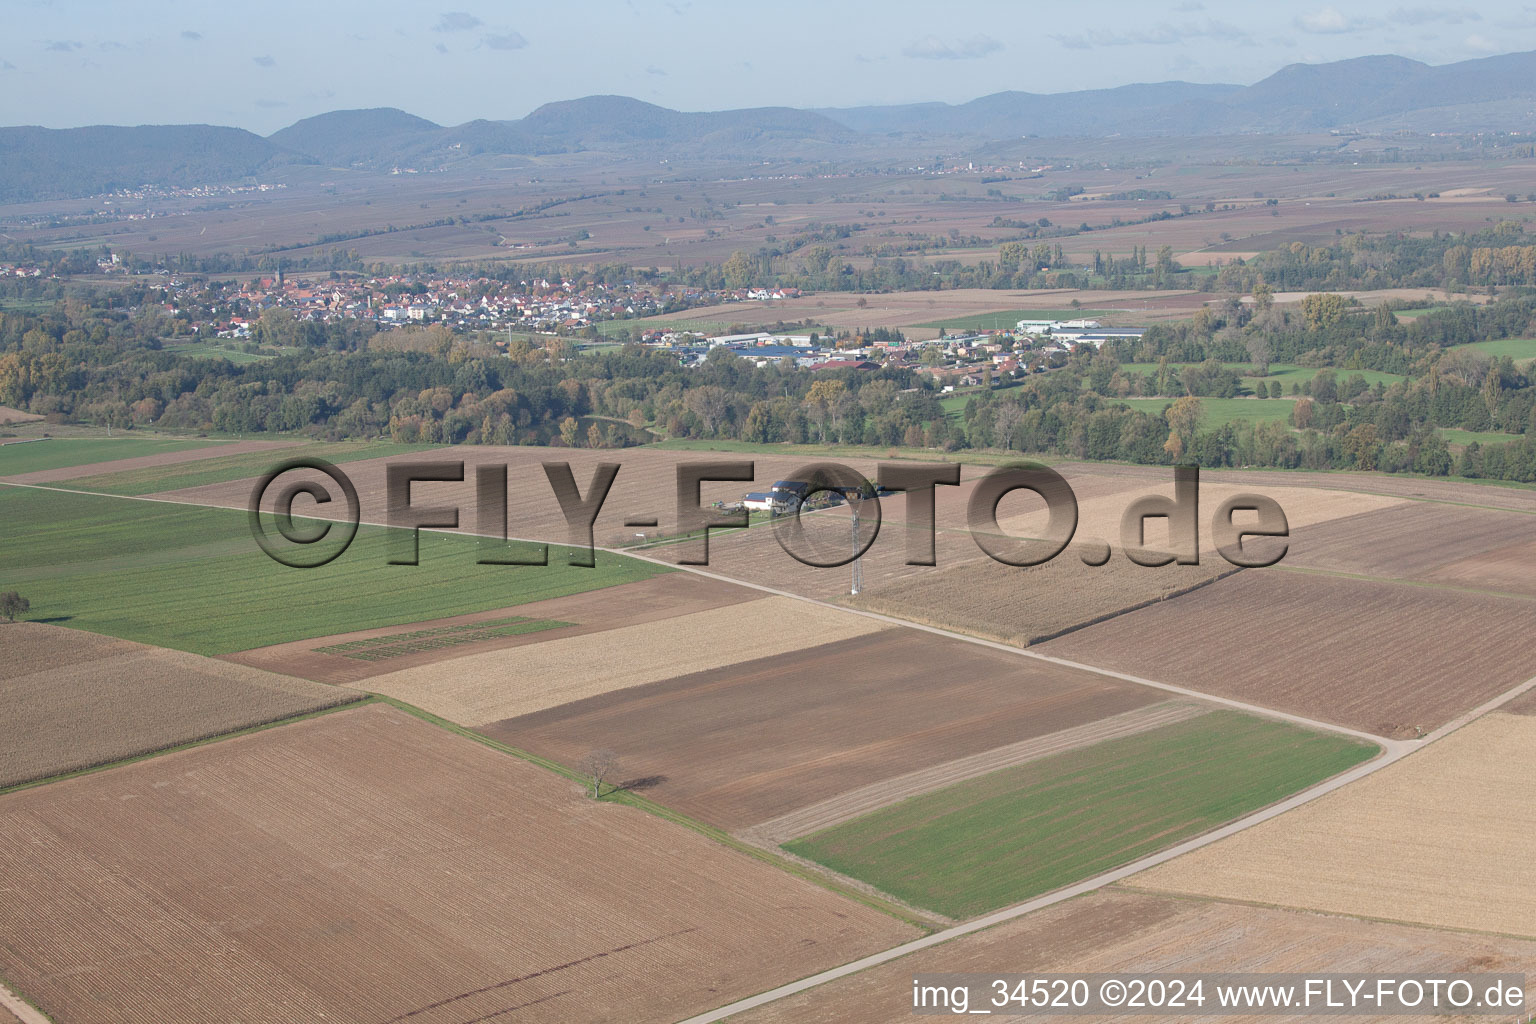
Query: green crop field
{"points": [[1220, 411], [1454, 435], [194, 579], [57, 452], [1009, 836], [1285, 374], [223, 468], [1007, 321], [1518, 349], [213, 350]]}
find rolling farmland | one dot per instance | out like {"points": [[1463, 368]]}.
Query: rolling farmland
{"points": [[150, 572], [75, 700], [1387, 658], [54, 453], [366, 865], [765, 737], [1006, 837], [1441, 838]]}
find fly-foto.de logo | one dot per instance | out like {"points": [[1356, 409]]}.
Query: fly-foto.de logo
{"points": [[276, 528]]}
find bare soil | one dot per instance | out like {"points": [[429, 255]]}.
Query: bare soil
{"points": [[74, 700], [738, 746], [1115, 930], [366, 866], [1386, 658]]}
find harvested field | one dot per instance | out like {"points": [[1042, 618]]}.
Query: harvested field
{"points": [[859, 802], [1026, 606], [625, 604], [1021, 832], [1386, 658], [1440, 838], [1425, 541], [763, 738], [477, 689], [59, 459], [73, 700], [9, 415], [1114, 930], [368, 866]]}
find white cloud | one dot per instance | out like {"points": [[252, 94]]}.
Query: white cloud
{"points": [[1329, 21], [1482, 44], [934, 48]]}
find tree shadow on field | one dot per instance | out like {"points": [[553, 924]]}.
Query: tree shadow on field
{"points": [[51, 618], [641, 784]]}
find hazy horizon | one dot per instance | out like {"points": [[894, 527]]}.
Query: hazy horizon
{"points": [[89, 62]]}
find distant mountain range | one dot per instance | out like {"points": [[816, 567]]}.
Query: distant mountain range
{"points": [[1365, 93]]}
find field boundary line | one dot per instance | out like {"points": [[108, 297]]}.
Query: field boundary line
{"points": [[1256, 709], [1388, 758], [345, 705], [856, 803], [1309, 570], [883, 903], [1198, 897]]}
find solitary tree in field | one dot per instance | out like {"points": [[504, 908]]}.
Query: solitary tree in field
{"points": [[598, 766], [13, 604]]}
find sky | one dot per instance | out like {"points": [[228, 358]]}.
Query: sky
{"points": [[265, 65]]}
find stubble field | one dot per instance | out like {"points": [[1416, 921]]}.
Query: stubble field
{"points": [[367, 866]]}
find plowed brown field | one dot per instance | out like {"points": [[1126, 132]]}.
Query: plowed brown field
{"points": [[1382, 657], [72, 700], [1426, 541], [366, 866], [1118, 931], [741, 745]]}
